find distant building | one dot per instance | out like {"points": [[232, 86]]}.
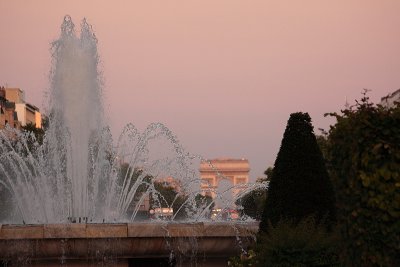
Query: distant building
{"points": [[213, 172], [8, 114], [389, 100], [15, 95], [26, 113]]}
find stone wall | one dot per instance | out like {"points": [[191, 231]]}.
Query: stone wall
{"points": [[120, 242]]}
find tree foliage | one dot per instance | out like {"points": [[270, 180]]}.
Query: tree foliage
{"points": [[164, 195], [268, 173], [128, 176], [305, 244], [34, 136], [168, 196], [322, 141], [204, 202], [300, 186], [253, 203], [364, 155]]}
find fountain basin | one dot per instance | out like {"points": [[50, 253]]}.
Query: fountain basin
{"points": [[213, 242]]}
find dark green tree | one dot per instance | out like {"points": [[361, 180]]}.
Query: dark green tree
{"points": [[268, 173], [168, 196], [127, 177], [322, 141], [300, 186], [204, 201], [130, 175], [364, 156], [253, 203]]}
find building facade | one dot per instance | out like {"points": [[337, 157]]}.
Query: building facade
{"points": [[15, 95], [233, 171], [8, 114], [28, 114], [15, 111]]}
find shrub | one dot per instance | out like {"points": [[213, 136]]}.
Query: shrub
{"points": [[302, 244], [293, 244], [364, 154]]}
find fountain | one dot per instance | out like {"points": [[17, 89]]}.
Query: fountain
{"points": [[77, 195]]}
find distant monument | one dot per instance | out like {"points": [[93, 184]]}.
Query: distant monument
{"points": [[221, 172]]}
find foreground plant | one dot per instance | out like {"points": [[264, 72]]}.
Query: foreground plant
{"points": [[289, 244], [364, 155]]}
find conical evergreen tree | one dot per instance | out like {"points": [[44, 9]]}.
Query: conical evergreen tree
{"points": [[300, 186]]}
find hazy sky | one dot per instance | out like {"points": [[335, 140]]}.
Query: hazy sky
{"points": [[223, 75]]}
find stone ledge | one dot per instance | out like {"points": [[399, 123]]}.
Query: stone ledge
{"points": [[185, 229], [106, 230], [121, 241], [224, 229], [21, 232], [146, 230], [151, 229], [70, 230]]}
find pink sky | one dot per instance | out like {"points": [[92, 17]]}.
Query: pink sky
{"points": [[223, 75]]}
